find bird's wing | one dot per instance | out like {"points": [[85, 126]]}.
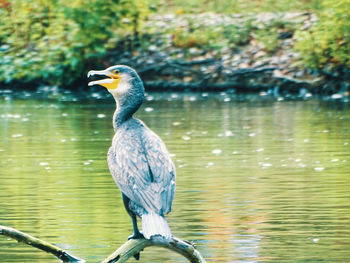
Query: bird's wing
{"points": [[143, 170]]}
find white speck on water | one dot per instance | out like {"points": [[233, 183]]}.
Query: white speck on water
{"points": [[17, 135], [234, 152], [73, 139], [266, 165], [25, 119], [335, 160], [174, 96], [205, 94], [44, 163], [193, 98], [149, 109], [337, 96], [63, 140], [53, 106], [149, 98], [9, 115], [86, 163], [252, 134], [260, 150], [346, 143], [217, 151], [101, 115], [210, 164], [280, 99], [315, 240], [204, 132], [325, 131], [186, 138], [306, 140], [297, 160], [227, 99], [319, 169], [176, 123], [64, 114], [228, 133], [96, 132]]}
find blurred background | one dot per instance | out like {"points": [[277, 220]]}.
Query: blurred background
{"points": [[250, 97], [302, 43]]}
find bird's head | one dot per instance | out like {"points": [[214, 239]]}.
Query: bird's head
{"points": [[120, 80]]}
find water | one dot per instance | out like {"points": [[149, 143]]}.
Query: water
{"points": [[257, 180]]}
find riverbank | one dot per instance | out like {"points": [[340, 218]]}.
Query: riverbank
{"points": [[215, 52], [205, 52]]}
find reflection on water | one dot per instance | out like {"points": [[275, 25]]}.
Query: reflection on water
{"points": [[258, 181]]}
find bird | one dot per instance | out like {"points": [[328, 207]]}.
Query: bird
{"points": [[138, 159]]}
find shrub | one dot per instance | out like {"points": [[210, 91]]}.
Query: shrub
{"points": [[327, 42], [56, 41]]}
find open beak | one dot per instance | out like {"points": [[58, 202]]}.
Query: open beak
{"points": [[109, 83]]}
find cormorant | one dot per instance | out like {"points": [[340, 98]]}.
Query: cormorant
{"points": [[138, 159]]}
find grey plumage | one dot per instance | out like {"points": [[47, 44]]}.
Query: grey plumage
{"points": [[138, 159], [141, 167]]}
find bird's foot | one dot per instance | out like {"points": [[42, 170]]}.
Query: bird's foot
{"points": [[136, 235]]}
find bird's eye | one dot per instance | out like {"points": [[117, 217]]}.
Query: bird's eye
{"points": [[116, 71]]}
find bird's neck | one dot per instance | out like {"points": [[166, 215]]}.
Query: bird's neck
{"points": [[124, 112]]}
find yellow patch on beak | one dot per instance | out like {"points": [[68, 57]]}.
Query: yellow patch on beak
{"points": [[110, 83]]}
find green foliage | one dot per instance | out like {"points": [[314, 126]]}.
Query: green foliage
{"points": [[212, 36], [267, 34], [56, 41], [269, 38], [327, 42]]}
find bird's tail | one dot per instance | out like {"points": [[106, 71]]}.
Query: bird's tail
{"points": [[154, 224]]}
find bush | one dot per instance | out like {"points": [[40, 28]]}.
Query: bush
{"points": [[327, 42], [56, 41]]}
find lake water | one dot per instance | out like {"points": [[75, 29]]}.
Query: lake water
{"points": [[258, 180]]}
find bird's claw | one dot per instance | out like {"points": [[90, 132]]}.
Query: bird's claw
{"points": [[137, 235]]}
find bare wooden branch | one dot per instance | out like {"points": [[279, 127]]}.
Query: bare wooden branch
{"points": [[127, 250], [38, 243], [175, 244]]}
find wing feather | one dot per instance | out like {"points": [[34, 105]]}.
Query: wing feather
{"points": [[143, 170]]}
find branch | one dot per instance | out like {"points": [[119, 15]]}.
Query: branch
{"points": [[38, 243], [121, 255], [134, 246]]}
